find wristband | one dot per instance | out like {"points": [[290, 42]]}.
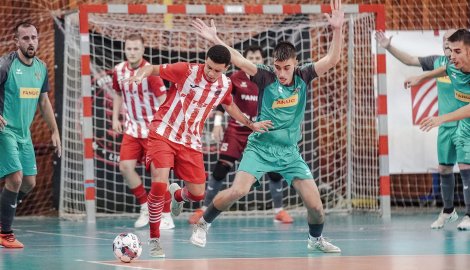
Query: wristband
{"points": [[218, 120]]}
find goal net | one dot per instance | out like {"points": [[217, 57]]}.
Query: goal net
{"points": [[340, 137]]}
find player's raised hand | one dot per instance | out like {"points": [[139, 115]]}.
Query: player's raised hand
{"points": [[337, 15], [430, 122], [261, 126], [3, 123], [382, 39], [205, 31]]}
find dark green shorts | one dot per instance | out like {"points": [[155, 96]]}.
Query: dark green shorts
{"points": [[446, 148], [16, 156], [259, 158]]}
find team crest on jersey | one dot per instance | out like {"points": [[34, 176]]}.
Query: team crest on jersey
{"points": [[29, 92], [286, 102]]}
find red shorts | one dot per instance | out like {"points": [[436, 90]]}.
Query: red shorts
{"points": [[233, 143], [187, 163], [133, 148]]}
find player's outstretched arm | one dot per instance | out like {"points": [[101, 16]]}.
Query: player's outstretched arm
{"points": [[48, 116], [402, 56], [210, 33], [144, 72], [334, 53], [434, 121], [416, 80], [234, 111]]}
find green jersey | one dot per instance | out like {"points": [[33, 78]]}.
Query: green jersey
{"points": [[461, 83], [445, 92], [20, 88], [283, 105]]}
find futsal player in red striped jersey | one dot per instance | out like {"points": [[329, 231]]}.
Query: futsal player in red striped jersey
{"points": [[175, 133]]}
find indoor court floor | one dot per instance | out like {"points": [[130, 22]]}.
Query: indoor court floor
{"points": [[367, 242]]}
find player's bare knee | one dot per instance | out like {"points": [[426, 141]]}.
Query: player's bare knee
{"points": [[125, 167], [13, 181], [444, 169]]}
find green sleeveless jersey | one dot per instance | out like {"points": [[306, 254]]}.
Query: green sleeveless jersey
{"points": [[461, 83], [283, 105], [20, 88], [445, 92]]}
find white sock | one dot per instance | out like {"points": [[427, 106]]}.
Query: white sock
{"points": [[277, 210]]}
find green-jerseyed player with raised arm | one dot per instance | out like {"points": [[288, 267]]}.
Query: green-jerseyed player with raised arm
{"points": [[458, 70], [446, 148], [23, 87], [282, 99]]}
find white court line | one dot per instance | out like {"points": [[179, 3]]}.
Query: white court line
{"points": [[69, 235], [129, 265]]}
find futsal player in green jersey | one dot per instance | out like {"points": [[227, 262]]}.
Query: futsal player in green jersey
{"points": [[23, 86], [458, 71], [282, 99], [446, 148]]}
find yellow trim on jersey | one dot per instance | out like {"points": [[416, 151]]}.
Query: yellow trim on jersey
{"points": [[444, 79], [462, 96], [29, 92], [286, 102]]}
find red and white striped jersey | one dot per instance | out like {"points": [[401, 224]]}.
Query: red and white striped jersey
{"points": [[188, 103], [139, 101]]}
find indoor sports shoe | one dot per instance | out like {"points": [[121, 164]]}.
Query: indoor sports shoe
{"points": [[321, 244], [283, 217], [143, 219], [8, 240], [156, 250], [443, 219], [464, 225], [198, 238], [176, 207], [166, 223], [196, 216]]}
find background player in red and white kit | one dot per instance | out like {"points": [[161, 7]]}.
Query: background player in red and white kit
{"points": [[175, 133], [245, 95], [140, 103]]}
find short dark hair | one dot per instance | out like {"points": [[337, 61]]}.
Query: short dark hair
{"points": [[283, 51], [135, 36], [253, 48], [24, 25], [219, 54], [460, 35]]}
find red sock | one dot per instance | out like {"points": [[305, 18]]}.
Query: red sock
{"points": [[166, 206], [140, 193], [156, 199], [184, 195]]}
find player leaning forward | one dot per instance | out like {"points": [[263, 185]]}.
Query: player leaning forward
{"points": [[175, 133], [283, 93]]}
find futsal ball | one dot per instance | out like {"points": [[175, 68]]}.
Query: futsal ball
{"points": [[127, 247]]}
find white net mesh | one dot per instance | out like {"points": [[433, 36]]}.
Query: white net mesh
{"points": [[339, 139]]}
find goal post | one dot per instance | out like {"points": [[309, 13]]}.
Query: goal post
{"points": [[345, 139]]}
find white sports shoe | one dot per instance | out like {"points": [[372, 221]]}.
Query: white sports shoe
{"points": [[322, 245], [176, 207], [464, 225], [166, 223], [443, 219], [199, 236], [143, 219], [155, 249]]}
